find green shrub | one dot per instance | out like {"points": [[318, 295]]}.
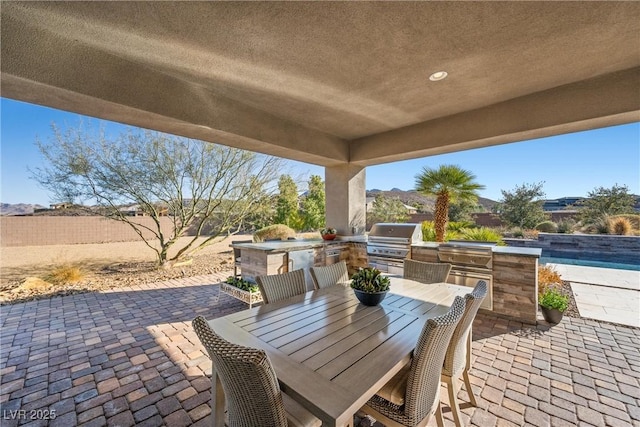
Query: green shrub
{"points": [[482, 234], [460, 225], [276, 231], [517, 232], [566, 226], [428, 228], [242, 284], [429, 233], [601, 225], [547, 227]]}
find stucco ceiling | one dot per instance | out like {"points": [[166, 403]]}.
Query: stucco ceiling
{"points": [[329, 83]]}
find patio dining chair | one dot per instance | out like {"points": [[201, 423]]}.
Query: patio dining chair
{"points": [[331, 275], [426, 272], [412, 396], [458, 358], [250, 385], [237, 261], [281, 286]]}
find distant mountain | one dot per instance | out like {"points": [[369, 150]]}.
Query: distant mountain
{"points": [[413, 198], [7, 209]]}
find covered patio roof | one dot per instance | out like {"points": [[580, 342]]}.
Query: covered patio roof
{"points": [[331, 83]]}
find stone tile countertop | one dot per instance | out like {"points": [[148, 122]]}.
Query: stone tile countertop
{"points": [[296, 245], [507, 250]]}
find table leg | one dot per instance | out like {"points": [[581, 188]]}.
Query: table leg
{"points": [[217, 399]]}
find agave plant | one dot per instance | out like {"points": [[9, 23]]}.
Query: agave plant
{"points": [[370, 280]]}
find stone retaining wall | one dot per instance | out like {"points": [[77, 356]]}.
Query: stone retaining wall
{"points": [[593, 247]]}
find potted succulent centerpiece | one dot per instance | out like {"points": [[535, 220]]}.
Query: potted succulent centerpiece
{"points": [[370, 286], [328, 233], [553, 303]]}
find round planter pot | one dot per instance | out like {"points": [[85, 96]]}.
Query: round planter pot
{"points": [[370, 299], [551, 315], [328, 236]]}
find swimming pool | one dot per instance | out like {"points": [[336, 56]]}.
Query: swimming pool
{"points": [[588, 263]]}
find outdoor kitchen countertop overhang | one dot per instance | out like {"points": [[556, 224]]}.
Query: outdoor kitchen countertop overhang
{"points": [[296, 245], [507, 250]]}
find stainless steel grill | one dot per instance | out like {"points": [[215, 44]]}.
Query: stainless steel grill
{"points": [[470, 263], [389, 244]]}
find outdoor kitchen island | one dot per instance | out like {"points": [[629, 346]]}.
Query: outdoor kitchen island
{"points": [[513, 271], [510, 272], [277, 257]]}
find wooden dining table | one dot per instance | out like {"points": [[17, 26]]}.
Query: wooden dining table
{"points": [[331, 353]]}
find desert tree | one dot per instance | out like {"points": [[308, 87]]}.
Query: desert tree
{"points": [[194, 182], [522, 206], [387, 209], [313, 205], [287, 203], [606, 201], [449, 183], [462, 210]]}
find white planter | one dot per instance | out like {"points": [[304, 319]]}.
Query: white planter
{"points": [[244, 296]]}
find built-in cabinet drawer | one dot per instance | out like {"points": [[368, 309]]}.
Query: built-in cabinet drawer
{"points": [[336, 252], [424, 254]]}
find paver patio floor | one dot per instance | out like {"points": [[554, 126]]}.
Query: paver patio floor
{"points": [[130, 357]]}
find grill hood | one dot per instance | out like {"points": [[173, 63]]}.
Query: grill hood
{"points": [[406, 232]]}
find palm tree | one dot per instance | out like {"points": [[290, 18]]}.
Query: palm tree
{"points": [[448, 183]]}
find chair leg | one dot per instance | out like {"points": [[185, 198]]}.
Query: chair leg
{"points": [[465, 372], [217, 399], [439, 417], [467, 383], [452, 388]]}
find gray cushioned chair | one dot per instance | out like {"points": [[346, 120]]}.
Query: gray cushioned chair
{"points": [[412, 396], [250, 385], [458, 358], [426, 272], [281, 286], [331, 275]]}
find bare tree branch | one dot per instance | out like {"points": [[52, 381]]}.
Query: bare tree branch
{"points": [[198, 184]]}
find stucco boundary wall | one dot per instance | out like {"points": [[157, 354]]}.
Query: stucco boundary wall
{"points": [[70, 230], [597, 247]]}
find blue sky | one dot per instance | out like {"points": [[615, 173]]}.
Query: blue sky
{"points": [[569, 165]]}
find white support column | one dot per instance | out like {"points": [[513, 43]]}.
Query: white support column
{"points": [[345, 188]]}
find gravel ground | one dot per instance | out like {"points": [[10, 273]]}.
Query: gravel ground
{"points": [[572, 310], [105, 266]]}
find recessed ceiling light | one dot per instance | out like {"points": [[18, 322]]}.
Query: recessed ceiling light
{"points": [[438, 75]]}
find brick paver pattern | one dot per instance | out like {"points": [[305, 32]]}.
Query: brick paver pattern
{"points": [[130, 357]]}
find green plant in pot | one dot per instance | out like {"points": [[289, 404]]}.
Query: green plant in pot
{"points": [[370, 286], [550, 298], [328, 233]]}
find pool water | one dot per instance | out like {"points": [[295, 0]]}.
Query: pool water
{"points": [[589, 263]]}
